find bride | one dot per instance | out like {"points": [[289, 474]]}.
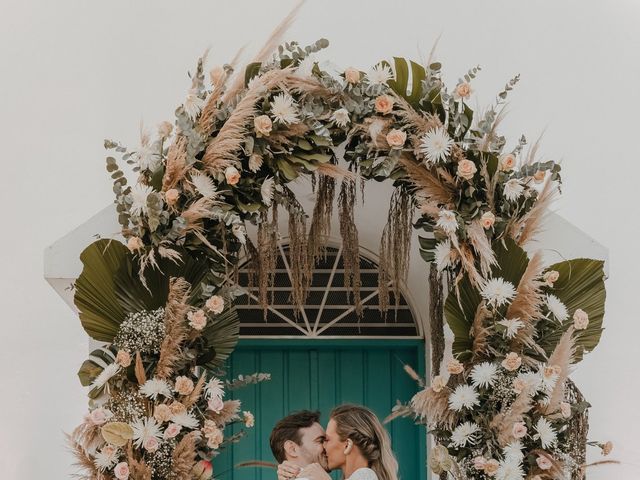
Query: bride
{"points": [[356, 443]]}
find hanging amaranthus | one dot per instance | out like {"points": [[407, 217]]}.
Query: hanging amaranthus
{"points": [[350, 243], [320, 229]]}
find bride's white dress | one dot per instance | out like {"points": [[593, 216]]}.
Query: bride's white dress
{"points": [[363, 474]]}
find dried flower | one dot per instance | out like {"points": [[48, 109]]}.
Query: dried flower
{"points": [[488, 219], [232, 175], [463, 90], [197, 319], [436, 145], [184, 385], [215, 304], [580, 319], [454, 367], [384, 104], [135, 243], [512, 362], [263, 125], [466, 169], [507, 162], [341, 117], [352, 75], [121, 471]]}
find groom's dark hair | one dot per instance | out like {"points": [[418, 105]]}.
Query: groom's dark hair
{"points": [[289, 429]]}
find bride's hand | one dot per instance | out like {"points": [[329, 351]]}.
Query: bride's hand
{"points": [[288, 470], [314, 472]]}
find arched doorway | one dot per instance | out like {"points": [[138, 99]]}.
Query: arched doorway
{"points": [[322, 357]]}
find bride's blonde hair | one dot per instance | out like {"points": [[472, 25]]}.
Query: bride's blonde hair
{"points": [[361, 425]]}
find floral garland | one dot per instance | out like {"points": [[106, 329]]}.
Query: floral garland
{"points": [[239, 139]]}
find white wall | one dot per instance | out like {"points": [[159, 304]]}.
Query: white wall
{"points": [[75, 72]]}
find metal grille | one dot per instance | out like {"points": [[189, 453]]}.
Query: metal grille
{"points": [[328, 311]]}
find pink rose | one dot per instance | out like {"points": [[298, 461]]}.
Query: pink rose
{"points": [[488, 219], [162, 413], [544, 463], [197, 319], [491, 467], [551, 277], [151, 444], [99, 416], [466, 169], [565, 409], [384, 104], [454, 367], [396, 138], [580, 319], [123, 358], [479, 462], [171, 196], [463, 90], [507, 162], [215, 404], [232, 175], [121, 471], [215, 304], [512, 362], [184, 385], [519, 430], [263, 125], [172, 431], [134, 243], [352, 75]]}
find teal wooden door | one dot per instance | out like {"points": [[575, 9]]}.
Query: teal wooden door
{"points": [[318, 375]]}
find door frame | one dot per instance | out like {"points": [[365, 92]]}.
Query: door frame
{"points": [[348, 343]]}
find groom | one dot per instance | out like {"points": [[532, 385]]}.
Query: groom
{"points": [[298, 439]]}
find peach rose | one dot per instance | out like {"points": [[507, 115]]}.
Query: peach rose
{"points": [[263, 125], [177, 408], [396, 138], [216, 75], [162, 413], [551, 277], [197, 319], [123, 358], [466, 169], [491, 467], [538, 177], [184, 385], [151, 444], [164, 129], [438, 384], [352, 75], [519, 385], [454, 367], [512, 361], [519, 430], [232, 175], [543, 462], [384, 104], [507, 162], [565, 409], [121, 471], [463, 90], [135, 243], [171, 196], [607, 448], [580, 319], [215, 404], [488, 219], [479, 462], [172, 430], [215, 304]]}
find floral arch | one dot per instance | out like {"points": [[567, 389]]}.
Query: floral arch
{"points": [[501, 408]]}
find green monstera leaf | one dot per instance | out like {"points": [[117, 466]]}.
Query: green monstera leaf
{"points": [[580, 285], [460, 309], [109, 288], [405, 73]]}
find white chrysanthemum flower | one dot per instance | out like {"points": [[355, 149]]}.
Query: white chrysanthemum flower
{"points": [[305, 68], [341, 117], [145, 428], [106, 458], [498, 291], [548, 381], [105, 375], [147, 158], [154, 387], [447, 221], [214, 388], [193, 104], [545, 433], [513, 452], [484, 374], [204, 184], [139, 194], [436, 145], [443, 255], [283, 109], [513, 189], [557, 308], [465, 433], [266, 191], [185, 419], [512, 325], [464, 396], [509, 471], [379, 74]]}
